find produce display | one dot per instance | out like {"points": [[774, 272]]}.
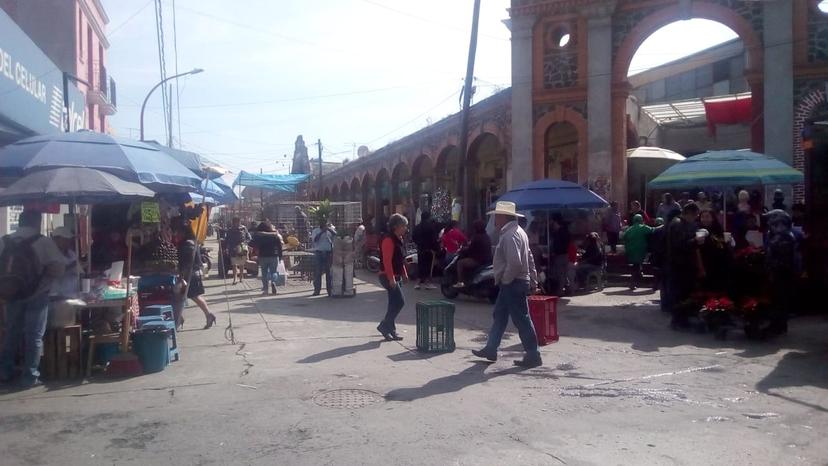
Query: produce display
{"points": [[157, 256]]}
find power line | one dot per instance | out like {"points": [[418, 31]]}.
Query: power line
{"points": [[159, 32], [430, 21], [117, 28], [415, 118], [177, 82]]}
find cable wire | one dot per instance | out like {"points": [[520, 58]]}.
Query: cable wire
{"points": [[177, 81]]}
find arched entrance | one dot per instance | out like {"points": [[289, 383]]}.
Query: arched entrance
{"points": [[422, 179], [401, 190], [382, 192], [561, 152], [369, 203], [334, 194], [344, 192], [355, 194], [740, 22], [446, 170], [326, 194], [486, 172]]}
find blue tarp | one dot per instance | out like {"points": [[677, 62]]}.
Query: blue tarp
{"points": [[285, 183]]}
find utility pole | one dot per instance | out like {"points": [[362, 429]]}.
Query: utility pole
{"points": [[170, 126], [462, 182], [319, 145]]}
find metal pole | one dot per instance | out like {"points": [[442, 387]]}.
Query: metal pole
{"points": [[169, 122], [462, 182], [319, 145], [146, 99]]}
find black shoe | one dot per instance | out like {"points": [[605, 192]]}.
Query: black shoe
{"points": [[384, 332], [273, 288], [315, 293], [394, 336], [485, 355], [528, 363]]}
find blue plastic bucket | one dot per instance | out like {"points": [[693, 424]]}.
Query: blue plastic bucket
{"points": [[104, 352], [152, 348]]}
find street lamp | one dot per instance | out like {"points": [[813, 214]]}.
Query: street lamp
{"points": [[143, 106]]}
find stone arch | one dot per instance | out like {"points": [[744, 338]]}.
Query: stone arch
{"points": [[560, 114], [401, 187], [446, 168], [355, 191], [486, 171], [422, 177], [697, 9], [344, 191], [382, 199], [804, 110], [326, 194]]}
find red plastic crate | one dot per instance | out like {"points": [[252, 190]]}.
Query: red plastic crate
{"points": [[544, 313]]}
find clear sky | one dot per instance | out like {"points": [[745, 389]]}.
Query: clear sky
{"points": [[350, 72]]}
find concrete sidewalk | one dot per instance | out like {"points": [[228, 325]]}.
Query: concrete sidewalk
{"points": [[309, 381]]}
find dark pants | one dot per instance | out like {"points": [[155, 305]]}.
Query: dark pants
{"points": [[425, 262], [781, 294], [323, 266], [612, 240], [636, 275], [512, 301], [396, 301], [25, 320], [680, 286]]}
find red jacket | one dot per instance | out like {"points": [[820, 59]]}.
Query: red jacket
{"points": [[453, 240]]}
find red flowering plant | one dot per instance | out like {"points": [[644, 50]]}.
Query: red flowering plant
{"points": [[717, 314], [718, 304]]}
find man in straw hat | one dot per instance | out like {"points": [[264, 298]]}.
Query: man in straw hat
{"points": [[514, 271]]}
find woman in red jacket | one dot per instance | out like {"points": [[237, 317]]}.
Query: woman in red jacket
{"points": [[392, 274]]}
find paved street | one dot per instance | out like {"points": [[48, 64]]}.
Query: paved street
{"points": [[618, 388]]}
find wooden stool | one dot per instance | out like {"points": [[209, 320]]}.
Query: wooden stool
{"points": [[97, 340], [62, 353]]}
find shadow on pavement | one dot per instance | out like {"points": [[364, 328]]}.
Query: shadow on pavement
{"points": [[475, 374], [799, 369], [339, 352]]}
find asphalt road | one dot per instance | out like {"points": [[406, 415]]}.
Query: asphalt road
{"points": [[308, 381]]}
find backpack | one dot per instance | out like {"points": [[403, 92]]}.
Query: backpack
{"points": [[20, 270]]}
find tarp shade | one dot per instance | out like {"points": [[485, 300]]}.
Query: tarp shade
{"points": [[284, 183], [728, 112]]}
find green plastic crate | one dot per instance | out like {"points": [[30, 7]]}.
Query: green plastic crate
{"points": [[435, 326]]}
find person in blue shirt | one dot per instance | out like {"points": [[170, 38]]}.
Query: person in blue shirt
{"points": [[322, 238]]}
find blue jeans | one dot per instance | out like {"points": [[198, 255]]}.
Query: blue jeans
{"points": [[512, 301], [268, 266], [25, 319], [323, 266], [396, 301]]}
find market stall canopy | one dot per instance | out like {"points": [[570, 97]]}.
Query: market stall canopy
{"points": [[654, 153], [130, 160], [553, 194], [727, 168], [202, 166], [72, 185], [218, 192], [285, 183]]}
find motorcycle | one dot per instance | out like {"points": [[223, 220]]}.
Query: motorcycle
{"points": [[206, 261], [481, 285]]}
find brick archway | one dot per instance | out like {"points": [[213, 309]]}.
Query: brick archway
{"points": [[560, 114], [804, 110]]}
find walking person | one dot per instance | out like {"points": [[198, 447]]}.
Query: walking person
{"points": [[322, 239], [612, 226], [190, 273], [514, 272], [29, 264], [561, 240], [236, 239], [426, 238], [268, 242], [636, 240], [392, 274]]}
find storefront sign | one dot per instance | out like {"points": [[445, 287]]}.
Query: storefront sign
{"points": [[31, 85], [150, 212]]}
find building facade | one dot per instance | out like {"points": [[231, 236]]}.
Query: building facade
{"points": [[72, 33], [567, 114]]}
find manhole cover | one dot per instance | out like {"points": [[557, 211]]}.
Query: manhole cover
{"points": [[347, 398]]}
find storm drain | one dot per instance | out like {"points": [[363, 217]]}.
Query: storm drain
{"points": [[347, 398]]}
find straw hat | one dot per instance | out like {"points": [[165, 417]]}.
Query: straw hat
{"points": [[505, 208]]}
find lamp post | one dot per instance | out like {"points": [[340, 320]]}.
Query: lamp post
{"points": [[144, 105]]}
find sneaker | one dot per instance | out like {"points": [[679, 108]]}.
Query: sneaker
{"points": [[431, 286], [459, 285], [417, 286], [485, 355], [27, 382], [264, 292], [528, 363]]}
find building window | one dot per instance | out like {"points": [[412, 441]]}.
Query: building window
{"points": [[721, 70]]}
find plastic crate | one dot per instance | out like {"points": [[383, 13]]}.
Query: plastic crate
{"points": [[435, 327], [544, 313]]}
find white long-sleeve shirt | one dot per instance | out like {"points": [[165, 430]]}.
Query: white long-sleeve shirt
{"points": [[512, 259]]}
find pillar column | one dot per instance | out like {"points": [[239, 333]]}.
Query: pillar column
{"points": [[600, 109], [522, 115], [777, 19]]}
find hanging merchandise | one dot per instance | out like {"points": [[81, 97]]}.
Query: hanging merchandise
{"points": [[150, 212]]}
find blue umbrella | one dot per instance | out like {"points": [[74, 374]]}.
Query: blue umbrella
{"points": [[552, 195], [217, 191], [72, 186], [127, 159], [727, 168]]}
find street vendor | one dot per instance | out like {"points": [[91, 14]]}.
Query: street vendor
{"points": [[33, 262]]}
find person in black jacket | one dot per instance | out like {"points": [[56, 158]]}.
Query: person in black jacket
{"points": [[426, 237], [269, 244], [476, 255]]}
